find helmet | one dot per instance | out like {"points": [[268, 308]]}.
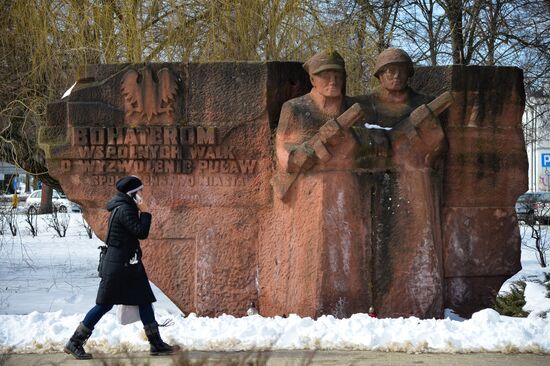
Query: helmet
{"points": [[392, 56], [325, 60]]}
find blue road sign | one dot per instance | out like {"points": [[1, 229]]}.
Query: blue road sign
{"points": [[545, 158]]}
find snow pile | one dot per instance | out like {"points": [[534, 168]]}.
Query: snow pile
{"points": [[486, 331], [376, 127], [68, 91], [47, 284], [536, 298]]}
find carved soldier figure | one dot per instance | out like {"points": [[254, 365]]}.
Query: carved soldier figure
{"points": [[394, 99], [407, 252], [321, 261]]}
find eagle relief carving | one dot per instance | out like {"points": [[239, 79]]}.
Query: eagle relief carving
{"points": [[148, 97]]}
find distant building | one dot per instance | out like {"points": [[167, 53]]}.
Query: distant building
{"points": [[13, 179], [536, 125]]}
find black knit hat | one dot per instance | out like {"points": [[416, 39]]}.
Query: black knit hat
{"points": [[129, 184]]}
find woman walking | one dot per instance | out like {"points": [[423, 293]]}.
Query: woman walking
{"points": [[123, 277]]}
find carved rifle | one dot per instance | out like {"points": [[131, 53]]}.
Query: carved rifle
{"points": [[425, 112], [421, 132], [302, 159]]}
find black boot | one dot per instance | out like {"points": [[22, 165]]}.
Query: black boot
{"points": [[74, 345], [158, 347]]}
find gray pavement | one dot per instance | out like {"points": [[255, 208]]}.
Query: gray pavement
{"points": [[283, 358]]}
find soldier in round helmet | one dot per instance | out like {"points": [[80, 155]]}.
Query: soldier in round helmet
{"points": [[405, 159], [394, 99]]}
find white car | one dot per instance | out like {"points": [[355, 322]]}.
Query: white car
{"points": [[61, 203]]}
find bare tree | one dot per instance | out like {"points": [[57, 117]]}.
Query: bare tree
{"points": [[501, 32], [3, 220], [463, 19], [32, 221], [423, 26], [534, 211], [454, 10], [380, 19], [525, 41], [59, 222], [540, 243], [87, 227], [11, 217], [536, 122]]}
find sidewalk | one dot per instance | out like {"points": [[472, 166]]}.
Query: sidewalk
{"points": [[284, 358]]}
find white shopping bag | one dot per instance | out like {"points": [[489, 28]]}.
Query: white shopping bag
{"points": [[127, 314]]}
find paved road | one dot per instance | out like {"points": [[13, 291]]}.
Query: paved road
{"points": [[284, 358]]}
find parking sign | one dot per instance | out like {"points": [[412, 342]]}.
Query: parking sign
{"points": [[545, 158]]}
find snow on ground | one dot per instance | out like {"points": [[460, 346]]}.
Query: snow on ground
{"points": [[48, 283]]}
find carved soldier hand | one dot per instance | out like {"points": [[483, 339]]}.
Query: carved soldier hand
{"points": [[331, 132], [301, 158], [419, 138]]}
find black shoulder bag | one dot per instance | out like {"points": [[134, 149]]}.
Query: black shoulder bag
{"points": [[103, 248]]}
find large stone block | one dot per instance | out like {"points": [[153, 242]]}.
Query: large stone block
{"points": [[485, 171], [481, 167], [469, 252], [201, 138], [470, 294]]}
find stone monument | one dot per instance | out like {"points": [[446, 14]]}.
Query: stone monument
{"points": [[208, 141]]}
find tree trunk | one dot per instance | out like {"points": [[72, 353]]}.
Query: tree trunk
{"points": [[432, 41], [46, 205], [493, 20], [27, 183], [454, 13]]}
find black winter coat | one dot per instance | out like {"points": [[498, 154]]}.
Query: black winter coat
{"points": [[122, 282]]}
